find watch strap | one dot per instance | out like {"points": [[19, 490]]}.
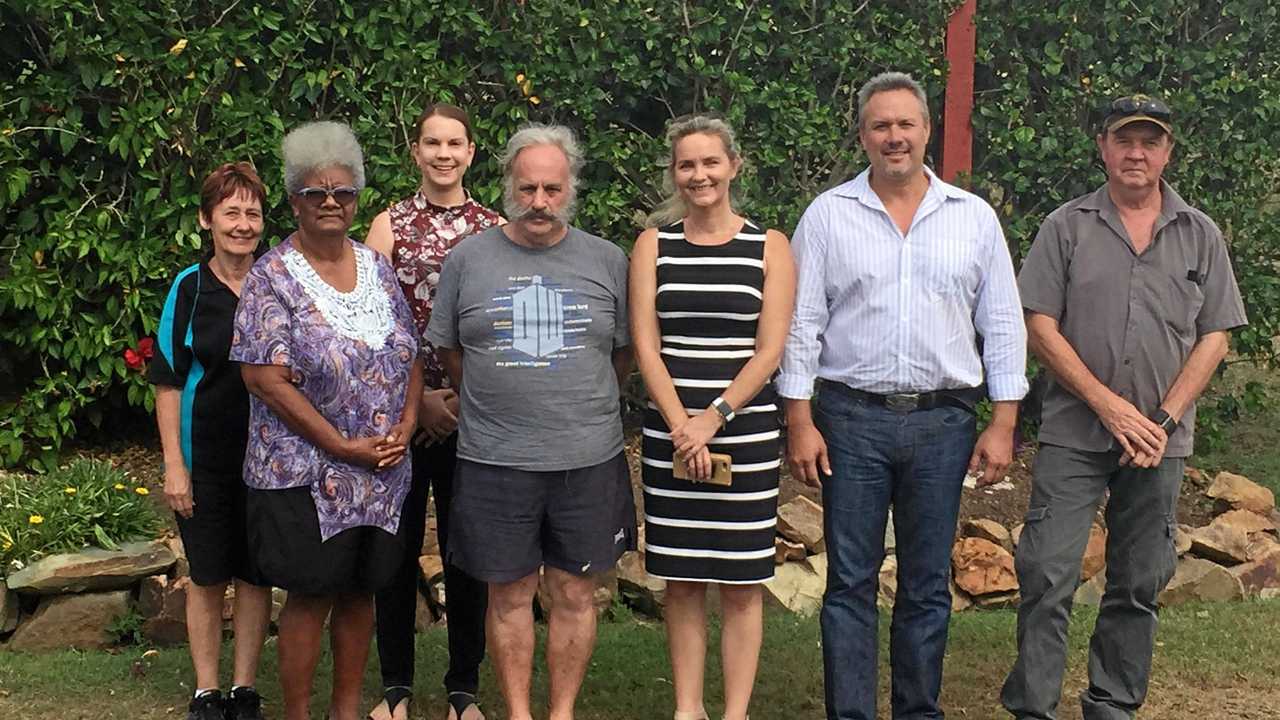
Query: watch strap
{"points": [[722, 406], [1164, 420]]}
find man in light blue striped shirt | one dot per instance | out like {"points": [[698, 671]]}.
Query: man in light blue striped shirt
{"points": [[899, 274]]}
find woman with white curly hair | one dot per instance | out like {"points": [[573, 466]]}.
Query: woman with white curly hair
{"points": [[329, 353]]}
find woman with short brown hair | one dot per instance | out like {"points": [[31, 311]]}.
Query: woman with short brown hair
{"points": [[202, 410]]}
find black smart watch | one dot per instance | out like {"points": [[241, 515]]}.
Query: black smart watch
{"points": [[1164, 420]]}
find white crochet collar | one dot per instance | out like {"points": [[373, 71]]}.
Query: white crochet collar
{"points": [[363, 314]]}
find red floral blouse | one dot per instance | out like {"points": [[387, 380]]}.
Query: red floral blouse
{"points": [[424, 234]]}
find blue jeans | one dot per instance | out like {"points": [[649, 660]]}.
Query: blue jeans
{"points": [[915, 461]]}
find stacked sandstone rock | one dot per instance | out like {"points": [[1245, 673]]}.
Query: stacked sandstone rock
{"points": [[82, 600], [73, 600], [1235, 556]]}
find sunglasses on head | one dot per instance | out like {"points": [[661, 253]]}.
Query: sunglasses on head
{"points": [[1139, 105], [344, 195]]}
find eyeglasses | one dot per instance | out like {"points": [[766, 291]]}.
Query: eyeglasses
{"points": [[344, 195], [1139, 105]]}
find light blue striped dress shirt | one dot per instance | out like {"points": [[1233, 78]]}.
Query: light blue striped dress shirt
{"points": [[885, 313]]}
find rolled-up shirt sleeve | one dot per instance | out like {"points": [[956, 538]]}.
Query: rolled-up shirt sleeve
{"points": [[800, 357], [998, 318]]}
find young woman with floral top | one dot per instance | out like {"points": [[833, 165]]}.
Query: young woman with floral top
{"points": [[416, 234]]}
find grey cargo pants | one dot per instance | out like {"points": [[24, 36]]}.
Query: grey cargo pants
{"points": [[1067, 487]]}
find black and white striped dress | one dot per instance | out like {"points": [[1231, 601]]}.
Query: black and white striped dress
{"points": [[708, 303]]}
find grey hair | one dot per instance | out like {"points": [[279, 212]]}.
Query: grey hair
{"points": [[530, 135], [886, 81], [672, 207], [318, 146]]}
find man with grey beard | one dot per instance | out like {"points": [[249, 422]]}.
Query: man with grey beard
{"points": [[530, 321]]}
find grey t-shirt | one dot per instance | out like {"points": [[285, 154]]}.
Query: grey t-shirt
{"points": [[537, 329], [1133, 319]]}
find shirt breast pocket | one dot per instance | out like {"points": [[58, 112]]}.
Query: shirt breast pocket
{"points": [[1182, 299]]}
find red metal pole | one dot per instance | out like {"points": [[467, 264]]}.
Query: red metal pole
{"points": [[957, 137]]}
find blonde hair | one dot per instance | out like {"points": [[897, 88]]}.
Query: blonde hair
{"points": [[672, 208]]}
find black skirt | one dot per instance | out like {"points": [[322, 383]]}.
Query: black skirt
{"points": [[285, 549]]}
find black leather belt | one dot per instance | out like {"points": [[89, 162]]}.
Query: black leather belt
{"points": [[965, 398]]}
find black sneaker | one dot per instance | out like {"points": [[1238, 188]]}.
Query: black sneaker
{"points": [[207, 706], [244, 704]]}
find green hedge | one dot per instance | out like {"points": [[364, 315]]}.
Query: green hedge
{"points": [[118, 109]]}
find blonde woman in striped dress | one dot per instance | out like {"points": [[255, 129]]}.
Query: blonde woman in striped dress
{"points": [[711, 298]]}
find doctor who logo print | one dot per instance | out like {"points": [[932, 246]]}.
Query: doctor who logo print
{"points": [[537, 323]]}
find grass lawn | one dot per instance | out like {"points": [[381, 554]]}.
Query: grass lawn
{"points": [[1212, 662]]}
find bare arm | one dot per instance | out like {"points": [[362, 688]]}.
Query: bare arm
{"points": [[451, 358], [1133, 430], [169, 423], [646, 339], [622, 363], [270, 383], [1196, 373], [177, 481], [380, 237], [412, 398]]}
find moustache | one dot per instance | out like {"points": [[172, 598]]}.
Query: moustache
{"points": [[532, 214]]}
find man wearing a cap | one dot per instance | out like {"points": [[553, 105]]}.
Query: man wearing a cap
{"points": [[1129, 296]]}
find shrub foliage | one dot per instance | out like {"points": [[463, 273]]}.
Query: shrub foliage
{"points": [[86, 503], [115, 111]]}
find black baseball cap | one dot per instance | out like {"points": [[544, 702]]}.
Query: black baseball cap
{"points": [[1137, 108]]}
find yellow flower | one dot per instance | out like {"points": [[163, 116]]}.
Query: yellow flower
{"points": [[178, 47], [69, 490], [142, 491], [119, 486], [35, 519], [535, 99]]}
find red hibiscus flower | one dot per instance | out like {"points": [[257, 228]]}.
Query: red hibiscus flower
{"points": [[133, 359], [147, 347]]}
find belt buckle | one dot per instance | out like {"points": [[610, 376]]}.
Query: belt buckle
{"points": [[902, 402]]}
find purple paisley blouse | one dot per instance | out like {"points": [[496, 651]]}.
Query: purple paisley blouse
{"points": [[350, 354], [424, 234]]}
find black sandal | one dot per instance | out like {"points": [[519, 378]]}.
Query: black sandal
{"points": [[393, 696], [459, 701]]}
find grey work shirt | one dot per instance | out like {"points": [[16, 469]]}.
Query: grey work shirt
{"points": [[537, 328], [1132, 318]]}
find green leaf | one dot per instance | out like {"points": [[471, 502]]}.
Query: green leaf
{"points": [[103, 539]]}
